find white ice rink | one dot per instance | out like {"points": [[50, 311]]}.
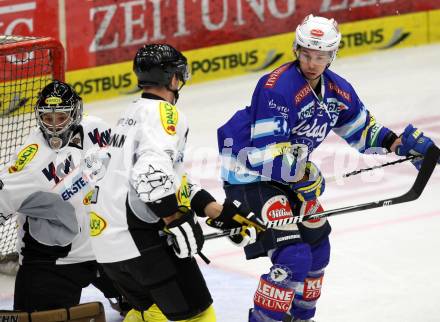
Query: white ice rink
{"points": [[385, 263]]}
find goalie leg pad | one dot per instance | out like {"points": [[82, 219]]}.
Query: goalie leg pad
{"points": [[80, 313]]}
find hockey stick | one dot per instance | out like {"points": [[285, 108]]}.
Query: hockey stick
{"points": [[356, 172], [426, 170], [14, 105]]}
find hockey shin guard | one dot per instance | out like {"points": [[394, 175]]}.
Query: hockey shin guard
{"points": [[308, 292], [276, 290]]}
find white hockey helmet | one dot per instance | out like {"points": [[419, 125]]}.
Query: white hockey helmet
{"points": [[318, 33]]}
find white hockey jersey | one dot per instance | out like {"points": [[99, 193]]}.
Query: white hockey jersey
{"points": [[143, 163], [47, 189]]}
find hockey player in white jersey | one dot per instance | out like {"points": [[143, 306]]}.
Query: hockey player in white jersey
{"points": [[45, 186], [139, 202]]}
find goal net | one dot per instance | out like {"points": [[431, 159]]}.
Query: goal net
{"points": [[28, 64]]}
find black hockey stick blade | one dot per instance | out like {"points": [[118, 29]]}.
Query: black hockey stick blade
{"points": [[428, 165]]}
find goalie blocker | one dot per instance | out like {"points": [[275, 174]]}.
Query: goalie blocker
{"points": [[86, 312]]}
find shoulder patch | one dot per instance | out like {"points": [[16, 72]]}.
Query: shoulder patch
{"points": [[97, 224], [169, 117], [335, 88], [24, 157], [273, 77]]}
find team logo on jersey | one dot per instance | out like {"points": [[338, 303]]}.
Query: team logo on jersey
{"points": [[276, 208], [169, 117], [24, 157], [97, 224]]}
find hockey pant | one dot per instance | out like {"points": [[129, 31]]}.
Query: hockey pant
{"points": [[293, 284]]}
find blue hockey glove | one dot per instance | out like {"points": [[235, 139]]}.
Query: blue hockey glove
{"points": [[414, 143], [312, 187]]}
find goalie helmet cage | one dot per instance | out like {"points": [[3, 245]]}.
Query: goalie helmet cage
{"points": [[28, 64]]}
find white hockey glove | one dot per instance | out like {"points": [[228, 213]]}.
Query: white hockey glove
{"points": [[235, 216], [95, 164], [187, 235]]}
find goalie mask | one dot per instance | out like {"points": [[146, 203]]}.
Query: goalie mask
{"points": [[156, 64], [59, 112]]}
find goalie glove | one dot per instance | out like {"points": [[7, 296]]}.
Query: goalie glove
{"points": [[186, 234], [235, 216], [312, 187]]}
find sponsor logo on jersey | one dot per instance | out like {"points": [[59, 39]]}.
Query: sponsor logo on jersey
{"points": [[126, 122], [273, 77], [312, 288], [333, 87], [307, 111], [283, 110], [117, 140], [276, 208], [77, 185], [310, 208], [24, 157], [91, 197], [302, 93], [53, 100], [97, 224], [183, 193], [315, 130], [273, 297], [61, 170], [169, 117], [100, 138]]}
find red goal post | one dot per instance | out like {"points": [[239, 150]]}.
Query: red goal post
{"points": [[27, 65]]}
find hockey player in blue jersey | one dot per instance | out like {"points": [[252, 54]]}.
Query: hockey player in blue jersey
{"points": [[265, 150]]}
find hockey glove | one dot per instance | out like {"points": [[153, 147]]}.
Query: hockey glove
{"points": [[312, 186], [414, 143], [187, 235], [235, 216]]}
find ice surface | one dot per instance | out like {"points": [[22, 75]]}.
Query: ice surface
{"points": [[385, 262]]}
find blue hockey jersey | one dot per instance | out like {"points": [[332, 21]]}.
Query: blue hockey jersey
{"points": [[286, 121]]}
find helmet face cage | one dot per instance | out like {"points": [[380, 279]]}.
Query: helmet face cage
{"points": [[318, 33], [63, 104]]}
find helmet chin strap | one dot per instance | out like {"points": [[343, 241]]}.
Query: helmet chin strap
{"points": [[175, 92]]}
